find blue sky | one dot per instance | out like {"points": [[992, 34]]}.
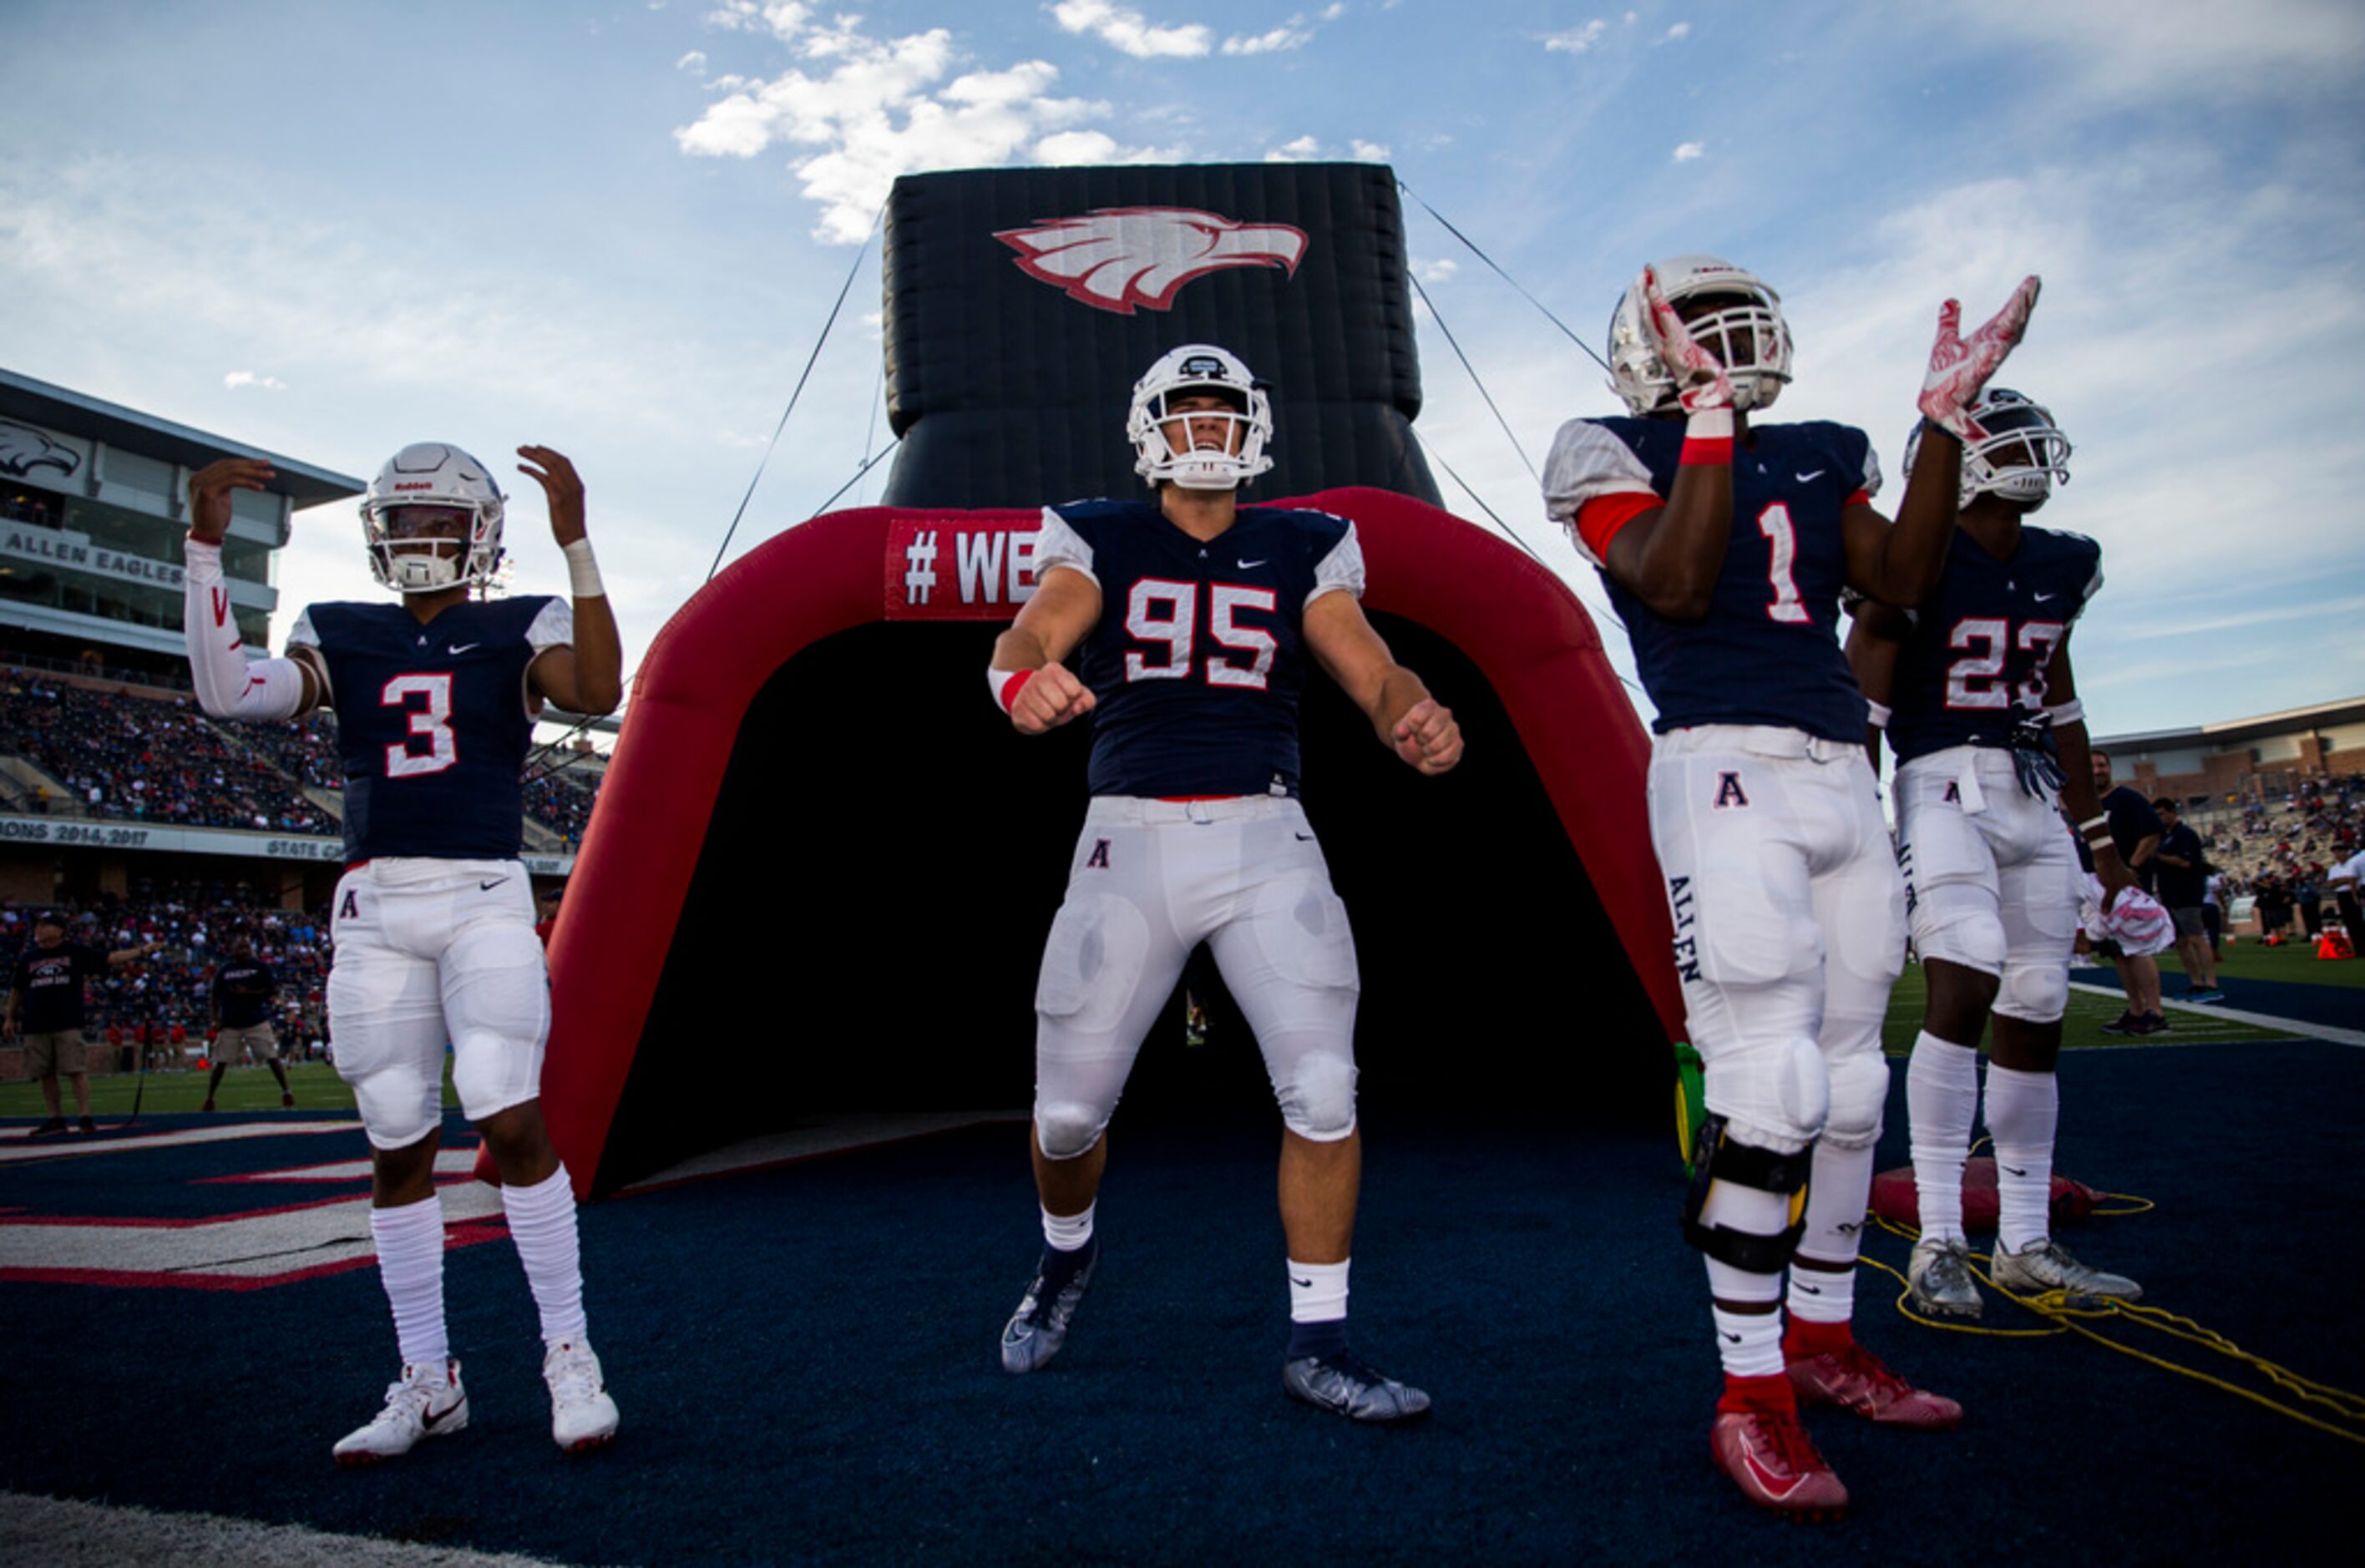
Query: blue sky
{"points": [[616, 229]]}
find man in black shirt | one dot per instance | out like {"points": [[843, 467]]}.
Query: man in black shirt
{"points": [[2136, 831], [45, 1002], [243, 988], [2183, 884]]}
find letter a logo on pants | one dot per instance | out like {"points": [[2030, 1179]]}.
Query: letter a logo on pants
{"points": [[1729, 793], [1099, 856], [351, 909]]}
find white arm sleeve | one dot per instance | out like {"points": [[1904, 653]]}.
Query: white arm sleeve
{"points": [[1059, 546], [229, 686]]}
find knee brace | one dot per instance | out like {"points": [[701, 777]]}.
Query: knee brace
{"points": [[1859, 1082], [1776, 1095], [1722, 1158], [1067, 1128], [2035, 993], [1317, 1102], [1958, 922]]}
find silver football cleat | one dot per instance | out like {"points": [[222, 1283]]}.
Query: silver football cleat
{"points": [[1039, 1326], [1938, 1280], [1347, 1386], [2046, 1266]]}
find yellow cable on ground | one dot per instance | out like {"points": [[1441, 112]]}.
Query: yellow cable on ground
{"points": [[2061, 1318]]}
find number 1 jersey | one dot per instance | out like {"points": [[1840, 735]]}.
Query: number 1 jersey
{"points": [[1199, 655], [1769, 652], [434, 720]]}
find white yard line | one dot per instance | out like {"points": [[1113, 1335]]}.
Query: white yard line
{"points": [[2263, 1020]]}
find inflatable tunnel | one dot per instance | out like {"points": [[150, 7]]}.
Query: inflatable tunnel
{"points": [[823, 865]]}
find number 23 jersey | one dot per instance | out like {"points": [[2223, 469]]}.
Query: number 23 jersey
{"points": [[1768, 651], [1198, 658], [434, 720]]}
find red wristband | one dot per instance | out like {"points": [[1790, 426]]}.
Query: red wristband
{"points": [[1005, 684], [1716, 450]]}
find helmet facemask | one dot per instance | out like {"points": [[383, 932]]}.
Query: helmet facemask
{"points": [[2022, 457], [1747, 334], [1199, 449], [431, 521]]}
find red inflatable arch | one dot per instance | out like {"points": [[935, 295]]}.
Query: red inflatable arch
{"points": [[664, 900]]}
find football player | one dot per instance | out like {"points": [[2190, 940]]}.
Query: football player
{"points": [[435, 699], [1192, 621], [1725, 544], [1974, 688]]}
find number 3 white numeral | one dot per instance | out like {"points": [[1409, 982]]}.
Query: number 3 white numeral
{"points": [[434, 720]]}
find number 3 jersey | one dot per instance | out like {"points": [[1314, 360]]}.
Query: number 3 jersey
{"points": [[434, 720], [1972, 670], [1767, 651], [1199, 655]]}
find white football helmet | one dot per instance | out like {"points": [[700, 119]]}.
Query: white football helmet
{"points": [[1200, 367], [1749, 338], [2024, 455], [432, 474]]}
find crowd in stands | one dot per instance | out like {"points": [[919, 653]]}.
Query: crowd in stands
{"points": [[125, 757], [165, 998], [148, 760], [2281, 851]]}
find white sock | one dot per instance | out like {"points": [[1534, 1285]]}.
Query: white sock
{"points": [[1318, 1291], [1942, 1094], [2024, 1111], [1836, 1191], [1068, 1232], [1748, 1344], [410, 1266], [541, 1223]]}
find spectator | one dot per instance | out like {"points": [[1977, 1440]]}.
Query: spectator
{"points": [[2183, 879], [243, 990], [45, 999], [2136, 831]]}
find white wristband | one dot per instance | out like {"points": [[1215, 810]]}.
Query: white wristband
{"points": [[2070, 713], [1708, 424], [1875, 713], [582, 571]]}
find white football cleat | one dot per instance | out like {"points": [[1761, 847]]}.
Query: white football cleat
{"points": [[424, 1402], [581, 1415]]}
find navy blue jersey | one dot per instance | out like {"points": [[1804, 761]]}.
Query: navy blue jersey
{"points": [[1199, 655], [51, 980], [433, 721], [1972, 669], [242, 992], [1769, 652]]}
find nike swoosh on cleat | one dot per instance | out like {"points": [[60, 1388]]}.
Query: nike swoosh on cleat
{"points": [[428, 1418], [464, 647], [1773, 1487], [1805, 478]]}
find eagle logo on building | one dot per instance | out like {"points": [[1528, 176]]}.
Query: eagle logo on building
{"points": [[1121, 259], [24, 449]]}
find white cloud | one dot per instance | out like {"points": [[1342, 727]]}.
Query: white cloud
{"points": [[874, 109], [1435, 272], [1266, 43], [1333, 12], [1368, 151], [2127, 49], [783, 18], [694, 60], [1304, 150], [238, 378], [1130, 32], [1575, 40], [1680, 30], [1687, 152]]}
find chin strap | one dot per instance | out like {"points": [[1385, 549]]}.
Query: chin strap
{"points": [[230, 685]]}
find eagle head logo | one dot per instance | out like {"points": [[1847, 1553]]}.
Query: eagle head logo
{"points": [[24, 449], [1123, 258]]}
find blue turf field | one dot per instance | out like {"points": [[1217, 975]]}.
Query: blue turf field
{"points": [[805, 1359]]}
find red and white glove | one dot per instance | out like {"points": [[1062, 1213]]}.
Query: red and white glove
{"points": [[1701, 384], [1960, 366]]}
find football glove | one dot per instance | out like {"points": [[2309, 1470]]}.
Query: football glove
{"points": [[1701, 383], [1960, 366]]}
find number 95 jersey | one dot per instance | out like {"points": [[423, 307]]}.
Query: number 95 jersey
{"points": [[434, 720], [1198, 658], [1767, 651]]}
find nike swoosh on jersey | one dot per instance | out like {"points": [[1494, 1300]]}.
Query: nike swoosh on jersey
{"points": [[2042, 598], [464, 647], [1251, 566], [1808, 478]]}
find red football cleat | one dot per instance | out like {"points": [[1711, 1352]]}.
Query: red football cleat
{"points": [[1769, 1457], [1854, 1380]]}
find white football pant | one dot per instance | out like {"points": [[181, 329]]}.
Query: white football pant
{"points": [[1150, 880], [1789, 921], [430, 951]]}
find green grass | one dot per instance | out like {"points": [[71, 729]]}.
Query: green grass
{"points": [[315, 1085], [2083, 1025], [2294, 961]]}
